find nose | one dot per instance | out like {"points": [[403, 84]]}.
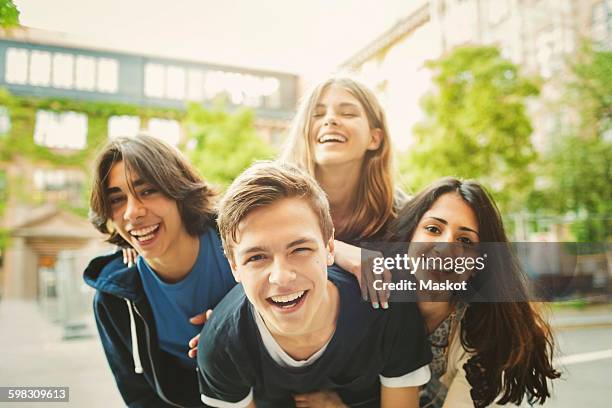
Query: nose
{"points": [[281, 273], [444, 244], [330, 119], [134, 209]]}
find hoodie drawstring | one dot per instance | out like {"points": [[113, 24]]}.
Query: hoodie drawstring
{"points": [[135, 352]]}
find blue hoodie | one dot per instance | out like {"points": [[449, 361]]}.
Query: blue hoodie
{"points": [[146, 376]]}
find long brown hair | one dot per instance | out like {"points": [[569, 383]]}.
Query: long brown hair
{"points": [[374, 198], [513, 342], [166, 169]]}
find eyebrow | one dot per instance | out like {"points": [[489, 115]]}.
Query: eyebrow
{"points": [[135, 184], [263, 248], [342, 105], [443, 221]]}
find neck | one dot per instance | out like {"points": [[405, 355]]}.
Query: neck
{"points": [[178, 260], [340, 183], [434, 313], [322, 326]]}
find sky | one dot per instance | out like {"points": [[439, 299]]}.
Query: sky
{"points": [[309, 38]]}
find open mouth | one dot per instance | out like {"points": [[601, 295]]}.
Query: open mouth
{"points": [[144, 235], [288, 302], [332, 138]]}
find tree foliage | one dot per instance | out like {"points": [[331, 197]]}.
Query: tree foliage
{"points": [[9, 14], [578, 169], [222, 144], [476, 126]]}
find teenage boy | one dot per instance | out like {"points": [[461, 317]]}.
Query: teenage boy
{"points": [[297, 324], [146, 195]]}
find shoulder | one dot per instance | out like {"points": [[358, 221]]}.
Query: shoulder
{"points": [[342, 278], [229, 320], [108, 273]]}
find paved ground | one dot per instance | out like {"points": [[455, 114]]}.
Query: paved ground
{"points": [[32, 352]]}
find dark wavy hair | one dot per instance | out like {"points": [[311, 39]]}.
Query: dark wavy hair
{"points": [[512, 342], [166, 169]]}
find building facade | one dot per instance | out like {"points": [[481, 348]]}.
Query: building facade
{"points": [[537, 35], [60, 101]]}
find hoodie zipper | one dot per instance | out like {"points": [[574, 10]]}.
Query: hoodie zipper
{"points": [[148, 337]]}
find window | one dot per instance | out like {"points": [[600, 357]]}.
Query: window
{"points": [[165, 129], [154, 80], [40, 68], [56, 185], [108, 75], [65, 130], [63, 70], [165, 82], [118, 126], [16, 66], [5, 121], [85, 79], [175, 82], [195, 85]]}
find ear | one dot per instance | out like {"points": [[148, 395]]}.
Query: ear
{"points": [[376, 136], [233, 267], [330, 250]]}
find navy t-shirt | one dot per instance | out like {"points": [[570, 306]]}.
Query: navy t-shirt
{"points": [[235, 365], [173, 304]]}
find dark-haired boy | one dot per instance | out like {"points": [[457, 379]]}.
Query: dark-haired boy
{"points": [[146, 195], [297, 324]]}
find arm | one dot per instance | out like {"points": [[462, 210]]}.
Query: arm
{"points": [[405, 397], [134, 388], [349, 258], [219, 373]]}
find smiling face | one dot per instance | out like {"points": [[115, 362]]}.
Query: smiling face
{"points": [[339, 128], [450, 220], [281, 259], [149, 221]]}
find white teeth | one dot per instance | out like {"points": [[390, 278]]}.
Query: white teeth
{"points": [[287, 298], [145, 237], [144, 231], [332, 138]]}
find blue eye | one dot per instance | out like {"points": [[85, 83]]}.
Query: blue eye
{"points": [[302, 249]]}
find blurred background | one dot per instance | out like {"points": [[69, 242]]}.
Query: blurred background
{"points": [[514, 93]]}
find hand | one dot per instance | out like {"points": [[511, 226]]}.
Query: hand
{"points": [[198, 319], [350, 258], [129, 256], [319, 399]]}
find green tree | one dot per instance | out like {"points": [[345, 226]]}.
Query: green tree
{"points": [[222, 144], [9, 14], [476, 126], [578, 169]]}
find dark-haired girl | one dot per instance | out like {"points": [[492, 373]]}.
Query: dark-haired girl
{"points": [[484, 352]]}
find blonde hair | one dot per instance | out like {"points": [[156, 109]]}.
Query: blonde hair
{"points": [[374, 196], [263, 184]]}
